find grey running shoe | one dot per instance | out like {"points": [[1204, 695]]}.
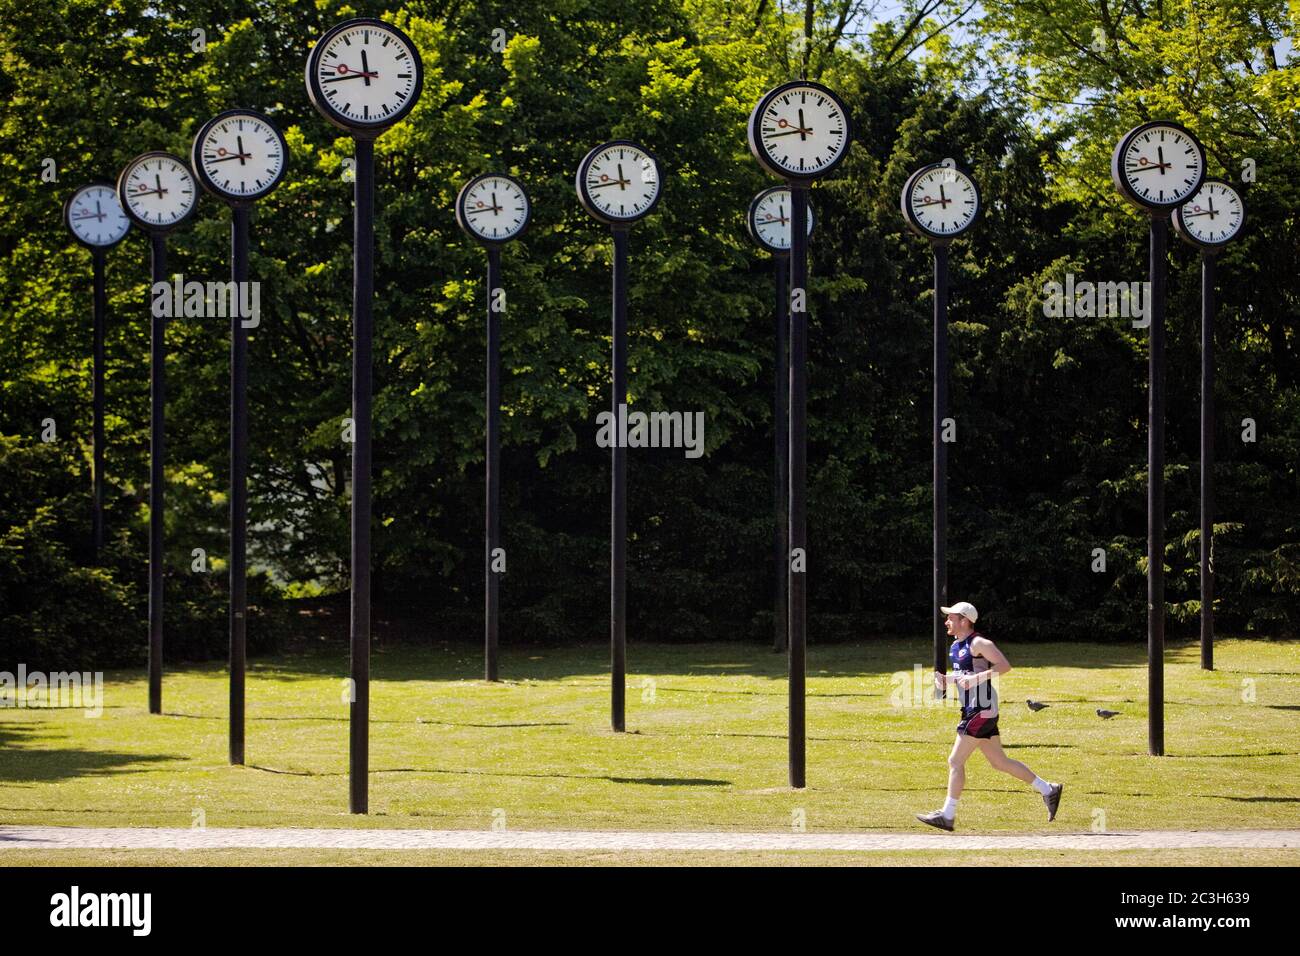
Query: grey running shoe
{"points": [[936, 819], [1053, 800]]}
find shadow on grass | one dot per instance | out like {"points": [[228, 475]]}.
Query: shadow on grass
{"points": [[646, 781], [1258, 753], [21, 761], [256, 719], [445, 662], [452, 723], [1258, 799]]}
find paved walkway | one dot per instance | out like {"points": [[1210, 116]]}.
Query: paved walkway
{"points": [[150, 838]]}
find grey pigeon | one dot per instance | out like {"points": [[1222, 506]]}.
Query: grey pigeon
{"points": [[1107, 714], [1036, 705]]}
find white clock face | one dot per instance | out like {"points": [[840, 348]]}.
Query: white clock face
{"points": [[1162, 165], [621, 181], [96, 217], [158, 190], [366, 74], [802, 129], [494, 208], [241, 155], [770, 219], [943, 201], [1214, 215]]}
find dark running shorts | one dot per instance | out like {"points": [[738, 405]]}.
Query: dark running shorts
{"points": [[979, 727]]}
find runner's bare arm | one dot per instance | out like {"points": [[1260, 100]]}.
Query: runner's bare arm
{"points": [[983, 647]]}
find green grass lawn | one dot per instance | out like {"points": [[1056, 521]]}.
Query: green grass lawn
{"points": [[705, 750]]}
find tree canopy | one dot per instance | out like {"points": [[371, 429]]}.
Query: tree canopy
{"points": [[1049, 461]]}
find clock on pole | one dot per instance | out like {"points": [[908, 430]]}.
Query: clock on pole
{"points": [[493, 209], [1157, 167], [159, 194], [239, 156], [95, 218], [799, 132], [768, 223], [363, 76], [1211, 219], [619, 183], [940, 202]]}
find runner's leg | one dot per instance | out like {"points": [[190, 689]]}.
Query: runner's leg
{"points": [[962, 748], [993, 752]]}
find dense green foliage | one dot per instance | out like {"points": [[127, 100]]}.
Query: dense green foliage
{"points": [[1050, 456]]}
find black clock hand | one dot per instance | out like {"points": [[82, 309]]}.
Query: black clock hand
{"points": [[239, 140], [99, 211], [612, 182], [365, 67], [1160, 155], [802, 132], [158, 181], [622, 183]]}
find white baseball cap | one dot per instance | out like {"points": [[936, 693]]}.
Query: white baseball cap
{"points": [[965, 609]]}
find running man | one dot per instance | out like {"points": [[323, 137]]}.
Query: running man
{"points": [[975, 659]]}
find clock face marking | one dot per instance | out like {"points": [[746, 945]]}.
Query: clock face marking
{"points": [[800, 130], [619, 182], [493, 208], [240, 155], [364, 74], [1158, 165], [95, 216], [769, 219], [157, 190], [940, 201], [1212, 217]]}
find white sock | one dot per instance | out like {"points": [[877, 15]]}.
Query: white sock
{"points": [[949, 808], [1042, 786]]}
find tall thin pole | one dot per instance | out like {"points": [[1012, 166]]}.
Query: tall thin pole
{"points": [[940, 594], [157, 383], [492, 578], [1156, 494], [239, 216], [798, 557], [97, 377], [618, 491], [781, 471], [363, 284], [1208, 263]]}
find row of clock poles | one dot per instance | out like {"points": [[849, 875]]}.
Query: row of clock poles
{"points": [[158, 192], [1159, 166], [365, 75]]}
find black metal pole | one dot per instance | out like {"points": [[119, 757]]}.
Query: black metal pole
{"points": [[798, 580], [940, 594], [492, 578], [157, 355], [781, 471], [363, 287], [98, 256], [239, 216], [1208, 263], [1156, 494], [618, 491]]}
